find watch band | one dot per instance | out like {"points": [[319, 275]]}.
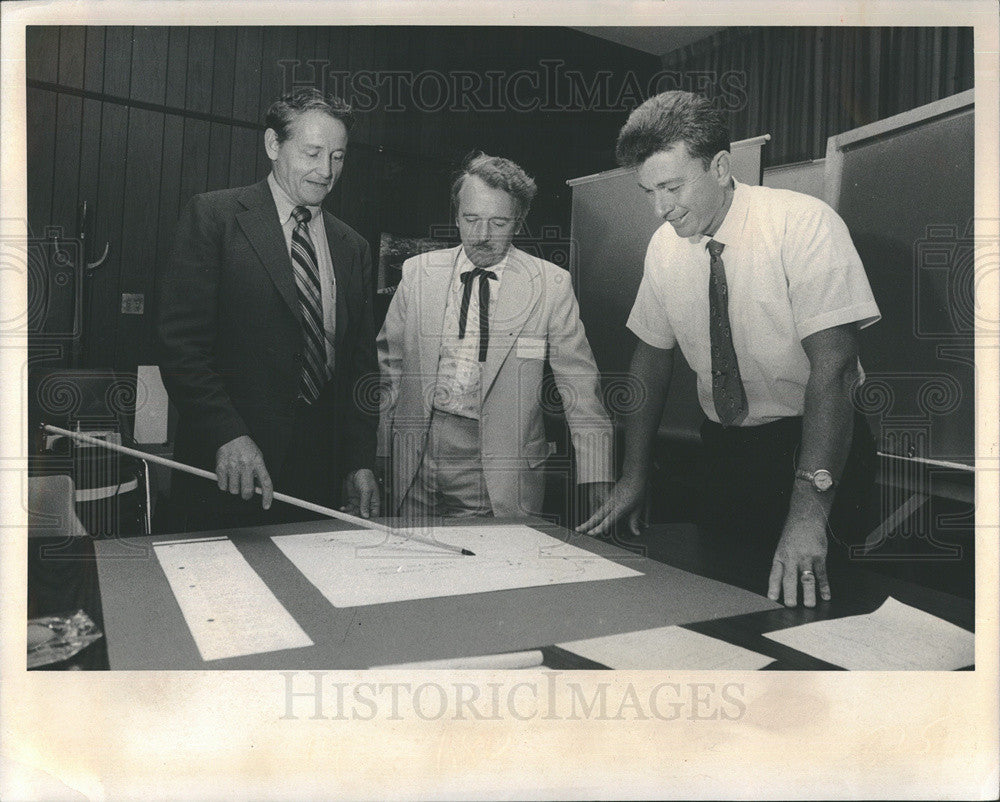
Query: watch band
{"points": [[821, 479]]}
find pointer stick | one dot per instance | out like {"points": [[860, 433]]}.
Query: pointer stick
{"points": [[295, 502]]}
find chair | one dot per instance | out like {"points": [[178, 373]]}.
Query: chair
{"points": [[112, 491], [52, 507]]}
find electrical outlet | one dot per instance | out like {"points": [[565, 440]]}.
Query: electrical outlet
{"points": [[133, 303]]}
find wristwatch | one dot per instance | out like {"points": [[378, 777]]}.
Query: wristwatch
{"points": [[820, 479]]}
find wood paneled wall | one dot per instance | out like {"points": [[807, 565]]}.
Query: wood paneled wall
{"points": [[135, 120]]}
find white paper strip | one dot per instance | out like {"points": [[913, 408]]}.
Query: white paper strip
{"points": [[227, 606], [151, 406], [667, 648], [357, 567], [494, 662], [896, 637]]}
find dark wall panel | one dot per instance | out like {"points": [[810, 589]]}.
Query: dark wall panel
{"points": [[223, 72], [356, 50], [69, 112], [149, 65], [244, 156], [140, 220], [103, 314], [41, 118], [90, 164], [72, 55], [117, 61], [246, 79], [220, 136], [270, 75], [93, 70], [177, 67], [194, 165], [200, 62], [41, 52], [169, 196]]}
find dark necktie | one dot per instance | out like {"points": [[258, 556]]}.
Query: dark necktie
{"points": [[314, 373], [727, 386], [484, 306]]}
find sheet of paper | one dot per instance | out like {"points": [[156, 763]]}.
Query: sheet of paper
{"points": [[896, 637], [227, 606], [358, 567], [667, 647]]}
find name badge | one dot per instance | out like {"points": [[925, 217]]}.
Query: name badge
{"points": [[531, 348]]}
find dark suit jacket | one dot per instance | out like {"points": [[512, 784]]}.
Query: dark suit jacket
{"points": [[230, 336]]}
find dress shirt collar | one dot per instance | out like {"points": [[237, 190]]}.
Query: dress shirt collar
{"points": [[285, 204], [732, 224], [465, 264]]}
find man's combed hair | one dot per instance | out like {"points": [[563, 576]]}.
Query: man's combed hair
{"points": [[283, 111], [668, 118], [498, 173]]}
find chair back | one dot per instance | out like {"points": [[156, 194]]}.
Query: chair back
{"points": [[52, 507]]}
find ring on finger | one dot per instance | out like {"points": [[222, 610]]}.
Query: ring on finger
{"points": [[808, 575]]}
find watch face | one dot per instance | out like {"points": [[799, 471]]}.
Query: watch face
{"points": [[822, 480]]}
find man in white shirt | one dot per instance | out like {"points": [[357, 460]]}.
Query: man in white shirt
{"points": [[462, 352], [764, 293]]}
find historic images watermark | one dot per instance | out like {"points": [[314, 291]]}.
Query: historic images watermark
{"points": [[548, 86], [320, 695]]}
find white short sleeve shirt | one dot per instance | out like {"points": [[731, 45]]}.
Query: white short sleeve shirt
{"points": [[791, 271]]}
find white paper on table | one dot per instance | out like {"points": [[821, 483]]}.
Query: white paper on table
{"points": [[361, 566], [896, 637], [227, 606], [670, 647]]}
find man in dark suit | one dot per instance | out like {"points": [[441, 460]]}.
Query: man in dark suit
{"points": [[265, 328]]}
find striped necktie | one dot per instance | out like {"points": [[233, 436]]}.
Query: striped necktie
{"points": [[727, 386], [314, 372]]}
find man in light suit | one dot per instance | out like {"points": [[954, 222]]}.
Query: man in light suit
{"points": [[462, 352], [265, 326]]}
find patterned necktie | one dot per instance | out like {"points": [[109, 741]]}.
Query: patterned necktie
{"points": [[484, 306], [727, 387], [314, 373]]}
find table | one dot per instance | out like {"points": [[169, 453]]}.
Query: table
{"points": [[146, 630]]}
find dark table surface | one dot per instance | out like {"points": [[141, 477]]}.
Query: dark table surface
{"points": [[143, 611]]}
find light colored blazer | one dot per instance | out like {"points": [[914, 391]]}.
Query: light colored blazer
{"points": [[536, 317]]}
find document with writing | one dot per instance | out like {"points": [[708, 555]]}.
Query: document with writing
{"points": [[227, 606], [667, 647], [896, 637], [360, 566]]}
